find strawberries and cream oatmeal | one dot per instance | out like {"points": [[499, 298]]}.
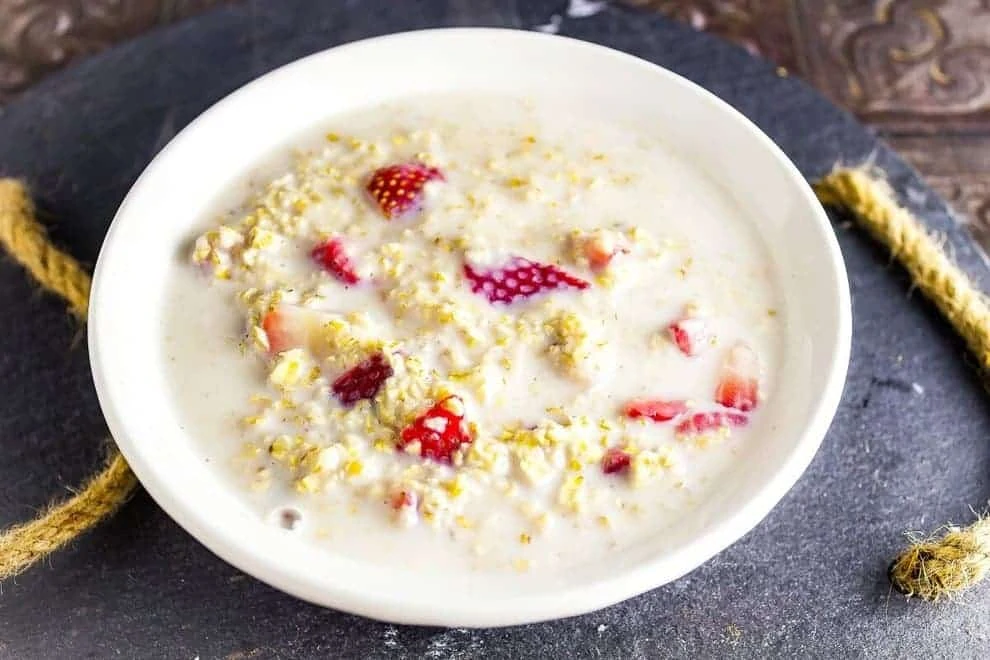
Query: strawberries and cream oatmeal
{"points": [[474, 332]]}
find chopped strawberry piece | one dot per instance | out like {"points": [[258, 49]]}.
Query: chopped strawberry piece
{"points": [[405, 507], [691, 335], [292, 326], [598, 257], [362, 381], [519, 279], [440, 431], [709, 421], [616, 460], [398, 189], [738, 385], [598, 248], [402, 499], [332, 257], [655, 409], [282, 330]]}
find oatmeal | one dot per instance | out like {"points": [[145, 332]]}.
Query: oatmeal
{"points": [[469, 332]]}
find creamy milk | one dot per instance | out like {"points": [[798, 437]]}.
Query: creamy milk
{"points": [[543, 383]]}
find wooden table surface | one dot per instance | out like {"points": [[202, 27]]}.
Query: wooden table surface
{"points": [[918, 71]]}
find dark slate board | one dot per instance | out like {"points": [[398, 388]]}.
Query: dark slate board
{"points": [[809, 581]]}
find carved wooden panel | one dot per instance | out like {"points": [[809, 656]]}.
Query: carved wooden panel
{"points": [[902, 62]]}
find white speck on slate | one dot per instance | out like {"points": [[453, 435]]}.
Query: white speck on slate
{"points": [[602, 628], [455, 644], [553, 27], [390, 634], [584, 8], [915, 195], [918, 389]]}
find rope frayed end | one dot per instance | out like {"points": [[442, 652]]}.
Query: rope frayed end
{"points": [[942, 567]]}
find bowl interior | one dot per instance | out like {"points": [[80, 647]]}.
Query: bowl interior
{"points": [[155, 222]]}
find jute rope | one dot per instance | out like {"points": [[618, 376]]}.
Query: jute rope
{"points": [[872, 204], [939, 566], [929, 569], [22, 545]]}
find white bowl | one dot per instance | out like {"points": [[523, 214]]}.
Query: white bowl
{"points": [[126, 318]]}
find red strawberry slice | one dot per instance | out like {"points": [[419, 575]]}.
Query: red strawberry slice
{"points": [[738, 385], [362, 381], [398, 189], [440, 431], [283, 329], [703, 422], [519, 279], [332, 257], [691, 335], [655, 409], [616, 460]]}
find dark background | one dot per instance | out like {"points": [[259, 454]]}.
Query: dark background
{"points": [[807, 582]]}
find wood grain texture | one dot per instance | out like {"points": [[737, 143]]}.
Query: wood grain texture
{"points": [[918, 65]]}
